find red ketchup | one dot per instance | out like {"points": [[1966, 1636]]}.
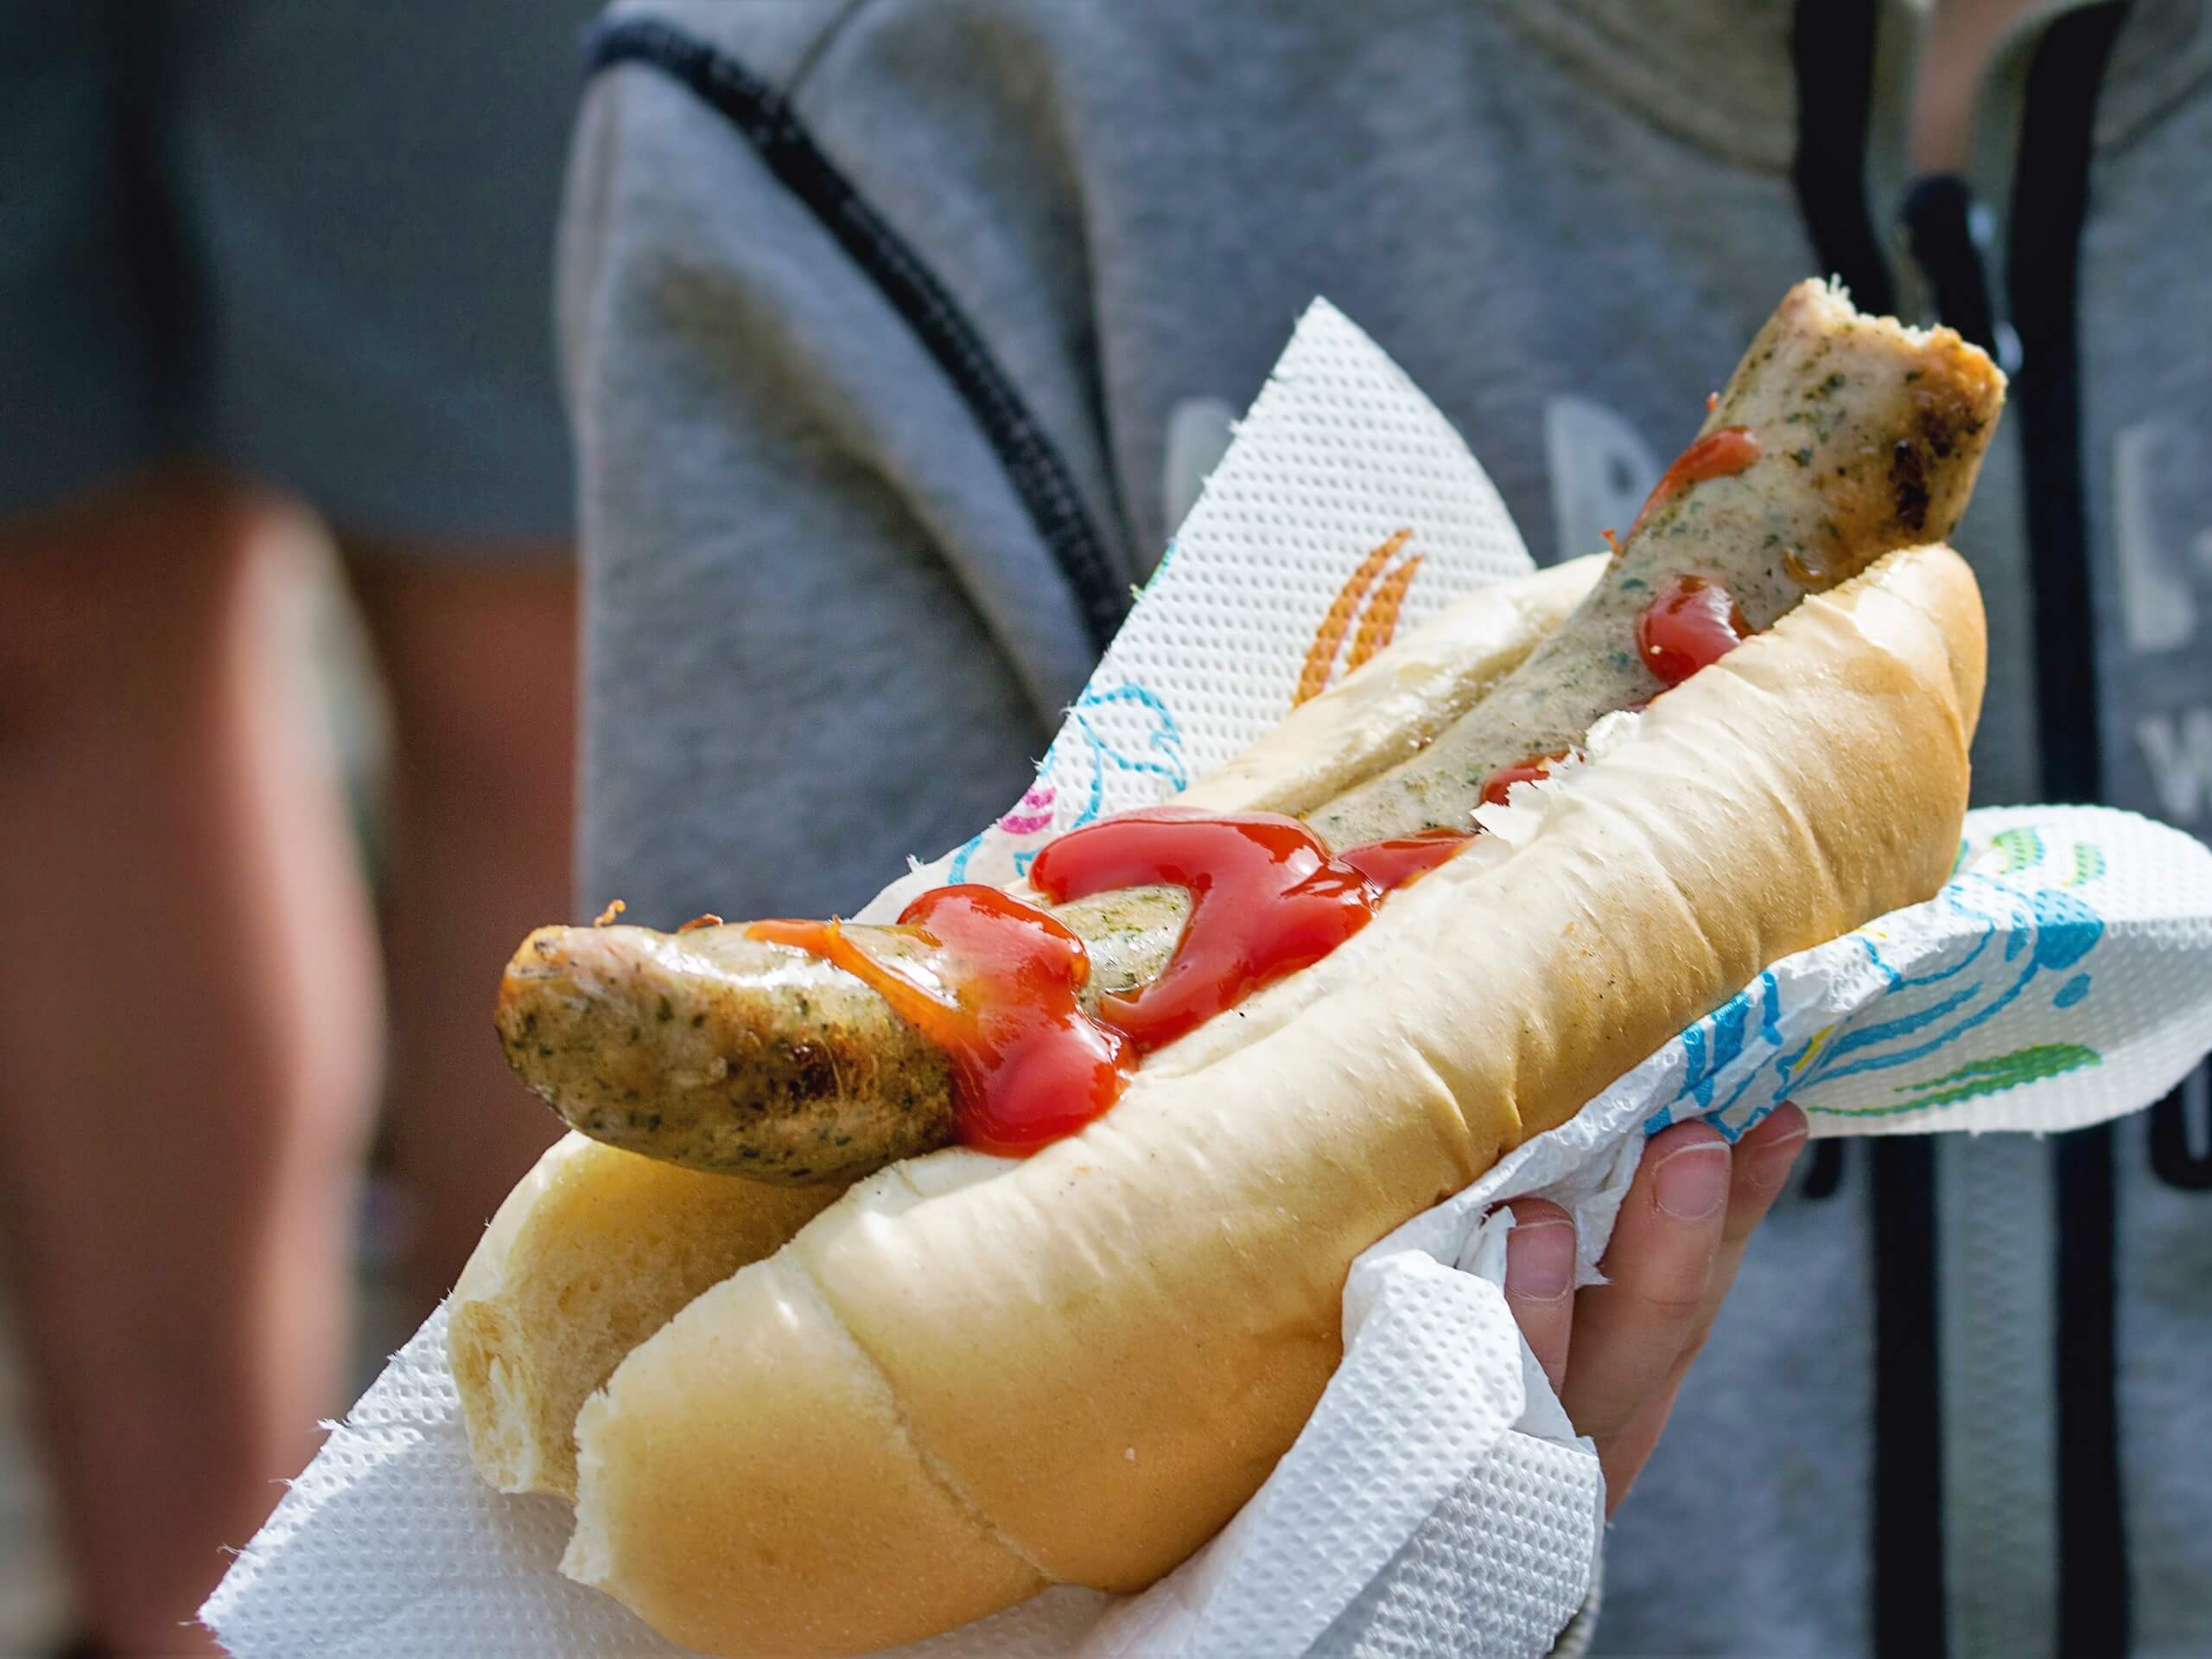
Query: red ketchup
{"points": [[1399, 863], [1690, 623], [1029, 1065], [1499, 784], [1717, 455]]}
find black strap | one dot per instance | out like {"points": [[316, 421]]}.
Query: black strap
{"points": [[1833, 46], [1033, 464], [1907, 1495], [1938, 222], [1823, 1171], [2095, 1605], [2181, 1133], [2049, 200], [2050, 193]]}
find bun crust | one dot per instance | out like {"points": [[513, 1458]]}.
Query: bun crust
{"points": [[969, 1376]]}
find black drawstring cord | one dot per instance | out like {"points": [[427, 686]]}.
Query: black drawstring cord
{"points": [[2050, 195], [1939, 228], [1833, 48], [2174, 1158], [1040, 474]]}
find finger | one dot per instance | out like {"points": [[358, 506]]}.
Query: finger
{"points": [[1762, 1161], [1540, 1282], [1623, 1456], [1759, 1169], [1628, 1332]]}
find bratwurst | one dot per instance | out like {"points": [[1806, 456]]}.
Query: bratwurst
{"points": [[1839, 439]]}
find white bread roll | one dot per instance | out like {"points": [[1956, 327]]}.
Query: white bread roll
{"points": [[597, 1248], [971, 1377], [593, 1251]]}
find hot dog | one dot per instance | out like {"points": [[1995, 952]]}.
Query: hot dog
{"points": [[1838, 438], [971, 1376]]}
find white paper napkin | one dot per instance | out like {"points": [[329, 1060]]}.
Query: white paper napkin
{"points": [[1437, 1502]]}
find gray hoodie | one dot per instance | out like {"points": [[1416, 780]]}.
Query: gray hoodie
{"points": [[899, 333]]}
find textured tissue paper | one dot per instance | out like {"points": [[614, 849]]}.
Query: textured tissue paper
{"points": [[1437, 1502]]}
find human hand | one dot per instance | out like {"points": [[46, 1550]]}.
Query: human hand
{"points": [[1616, 1353]]}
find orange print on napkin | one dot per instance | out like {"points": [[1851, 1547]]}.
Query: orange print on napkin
{"points": [[1369, 617]]}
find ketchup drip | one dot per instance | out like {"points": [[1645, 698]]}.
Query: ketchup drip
{"points": [[1691, 623], [1717, 455], [1028, 1064], [1397, 863], [1499, 785]]}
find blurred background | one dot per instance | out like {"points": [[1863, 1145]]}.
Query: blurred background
{"points": [[316, 625], [287, 625]]}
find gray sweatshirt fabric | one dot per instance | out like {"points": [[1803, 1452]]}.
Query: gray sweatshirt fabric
{"points": [[897, 331]]}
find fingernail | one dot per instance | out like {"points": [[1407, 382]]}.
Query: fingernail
{"points": [[1540, 1260], [1693, 1183], [1770, 1165]]}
